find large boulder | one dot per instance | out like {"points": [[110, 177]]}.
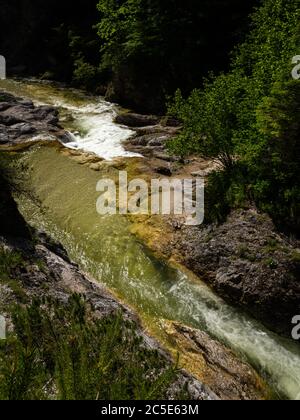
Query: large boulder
{"points": [[136, 120]]}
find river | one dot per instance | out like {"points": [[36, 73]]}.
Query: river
{"points": [[105, 247]]}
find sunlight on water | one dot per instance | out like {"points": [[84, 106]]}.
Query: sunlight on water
{"points": [[106, 249], [90, 120]]}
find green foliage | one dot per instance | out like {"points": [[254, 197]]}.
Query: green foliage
{"points": [[84, 73], [157, 46], [60, 352], [210, 119], [296, 257], [251, 116], [277, 174], [225, 190], [121, 29], [9, 261]]}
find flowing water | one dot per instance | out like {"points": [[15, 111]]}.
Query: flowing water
{"points": [[89, 120], [105, 247]]}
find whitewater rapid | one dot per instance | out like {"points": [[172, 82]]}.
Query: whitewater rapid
{"points": [[89, 120], [99, 133]]}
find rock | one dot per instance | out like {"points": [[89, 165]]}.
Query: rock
{"points": [[56, 277], [166, 157], [4, 106], [164, 170], [141, 141], [217, 366], [7, 98], [158, 141], [52, 120], [44, 112], [3, 135], [26, 103], [95, 167], [202, 173], [136, 120], [23, 128], [20, 121], [170, 122], [249, 264], [157, 129], [9, 120]]}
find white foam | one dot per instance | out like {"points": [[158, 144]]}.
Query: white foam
{"points": [[102, 136], [95, 119]]}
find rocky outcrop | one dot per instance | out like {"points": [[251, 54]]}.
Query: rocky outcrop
{"points": [[151, 138], [133, 120], [222, 371], [248, 263], [21, 121]]}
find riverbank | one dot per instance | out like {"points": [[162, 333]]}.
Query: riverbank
{"points": [[105, 249], [45, 271], [245, 259], [42, 270]]}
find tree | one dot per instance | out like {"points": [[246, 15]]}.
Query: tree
{"points": [[153, 47], [210, 119], [249, 115], [277, 186]]}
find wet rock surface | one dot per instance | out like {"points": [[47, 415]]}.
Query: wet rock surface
{"points": [[152, 135], [21, 121], [152, 143]]}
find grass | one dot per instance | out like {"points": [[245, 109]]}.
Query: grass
{"points": [[61, 352], [271, 263], [272, 246]]}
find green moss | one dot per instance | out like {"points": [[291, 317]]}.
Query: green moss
{"points": [[244, 253]]}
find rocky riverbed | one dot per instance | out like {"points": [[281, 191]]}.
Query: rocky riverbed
{"points": [[56, 276]]}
